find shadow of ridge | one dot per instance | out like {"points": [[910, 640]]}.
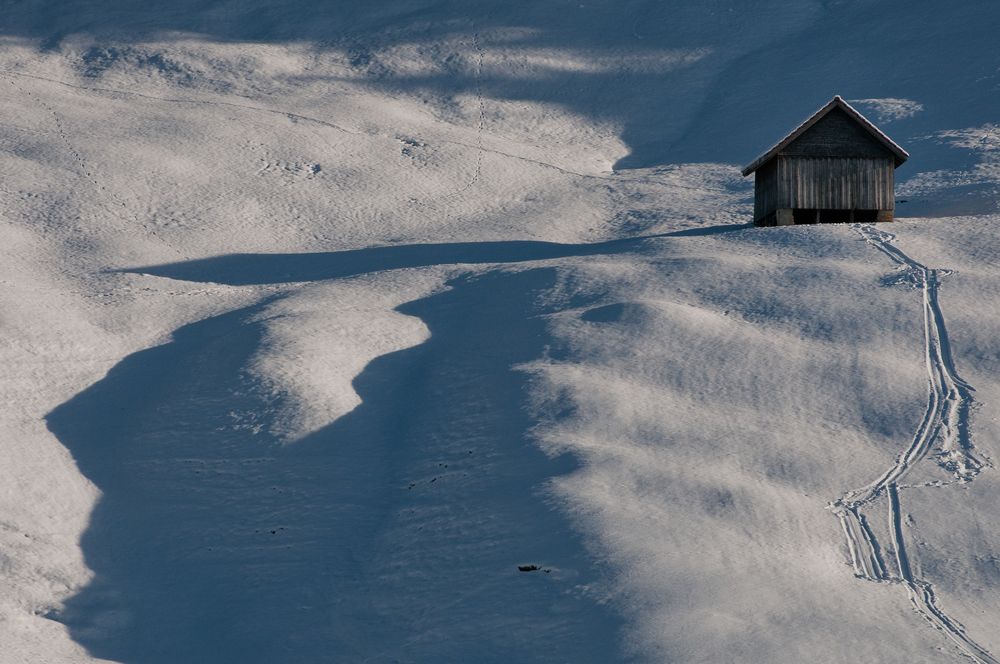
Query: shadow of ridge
{"points": [[255, 269], [717, 229], [404, 519]]}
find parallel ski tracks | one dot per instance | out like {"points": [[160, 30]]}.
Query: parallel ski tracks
{"points": [[945, 422]]}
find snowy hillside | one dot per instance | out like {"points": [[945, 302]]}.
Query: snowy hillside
{"points": [[421, 331]]}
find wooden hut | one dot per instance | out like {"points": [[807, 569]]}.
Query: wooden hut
{"points": [[834, 167]]}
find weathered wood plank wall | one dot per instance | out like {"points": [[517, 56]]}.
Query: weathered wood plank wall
{"points": [[765, 185], [835, 134], [835, 183], [836, 164]]}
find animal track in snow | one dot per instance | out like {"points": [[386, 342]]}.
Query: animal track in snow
{"points": [[480, 125], [290, 171], [946, 422], [415, 150], [108, 200]]}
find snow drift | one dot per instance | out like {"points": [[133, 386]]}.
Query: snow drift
{"points": [[424, 331]]}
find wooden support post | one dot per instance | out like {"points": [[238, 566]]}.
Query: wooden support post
{"points": [[883, 215]]}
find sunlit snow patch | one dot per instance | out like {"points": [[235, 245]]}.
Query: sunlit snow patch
{"points": [[889, 108]]}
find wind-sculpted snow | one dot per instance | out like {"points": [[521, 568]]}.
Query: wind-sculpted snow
{"points": [[266, 266], [394, 533], [946, 422]]}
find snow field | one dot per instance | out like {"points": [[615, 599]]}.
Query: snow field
{"points": [[314, 335]]}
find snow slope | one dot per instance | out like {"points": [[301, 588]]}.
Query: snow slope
{"points": [[320, 324]]}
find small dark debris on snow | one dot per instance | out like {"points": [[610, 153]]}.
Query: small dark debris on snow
{"points": [[528, 568]]}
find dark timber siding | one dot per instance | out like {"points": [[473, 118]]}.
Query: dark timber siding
{"points": [[835, 164], [834, 167], [765, 185], [835, 134], [832, 183]]}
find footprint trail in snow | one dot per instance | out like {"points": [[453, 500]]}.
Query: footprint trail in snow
{"points": [[943, 436]]}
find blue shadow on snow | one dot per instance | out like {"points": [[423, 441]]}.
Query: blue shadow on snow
{"points": [[247, 269], [392, 534]]}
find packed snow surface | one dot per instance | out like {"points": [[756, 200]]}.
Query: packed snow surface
{"points": [[421, 331]]}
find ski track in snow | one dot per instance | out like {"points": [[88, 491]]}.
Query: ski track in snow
{"points": [[945, 421]]}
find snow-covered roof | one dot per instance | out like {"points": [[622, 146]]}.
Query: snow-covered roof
{"points": [[899, 153]]}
